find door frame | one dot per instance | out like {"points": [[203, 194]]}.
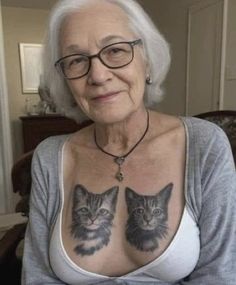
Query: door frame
{"points": [[6, 203]]}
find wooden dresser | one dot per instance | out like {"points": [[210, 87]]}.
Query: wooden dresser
{"points": [[37, 128]]}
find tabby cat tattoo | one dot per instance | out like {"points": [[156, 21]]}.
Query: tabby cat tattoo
{"points": [[92, 217], [148, 215], [93, 214]]}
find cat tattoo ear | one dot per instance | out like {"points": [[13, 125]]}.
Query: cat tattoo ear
{"points": [[164, 194]]}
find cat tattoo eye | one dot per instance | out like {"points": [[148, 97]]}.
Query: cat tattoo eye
{"points": [[92, 218], [148, 215]]}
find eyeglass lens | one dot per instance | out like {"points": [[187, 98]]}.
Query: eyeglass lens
{"points": [[113, 56]]}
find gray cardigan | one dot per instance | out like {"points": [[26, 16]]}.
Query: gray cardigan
{"points": [[211, 196]]}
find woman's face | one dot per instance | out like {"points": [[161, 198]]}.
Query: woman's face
{"points": [[105, 95]]}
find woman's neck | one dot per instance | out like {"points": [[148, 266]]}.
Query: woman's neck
{"points": [[119, 138]]}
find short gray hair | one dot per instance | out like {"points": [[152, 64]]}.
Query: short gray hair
{"points": [[156, 52]]}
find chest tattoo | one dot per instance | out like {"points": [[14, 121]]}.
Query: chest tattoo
{"points": [[92, 219], [93, 215], [148, 216]]}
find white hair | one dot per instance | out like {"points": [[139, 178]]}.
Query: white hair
{"points": [[156, 52]]}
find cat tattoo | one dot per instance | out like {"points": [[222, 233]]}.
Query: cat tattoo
{"points": [[148, 215], [92, 217]]}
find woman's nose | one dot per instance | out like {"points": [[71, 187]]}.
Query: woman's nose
{"points": [[98, 73]]}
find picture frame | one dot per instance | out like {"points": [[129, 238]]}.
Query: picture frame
{"points": [[31, 66]]}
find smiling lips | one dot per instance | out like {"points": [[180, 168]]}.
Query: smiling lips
{"points": [[105, 97]]}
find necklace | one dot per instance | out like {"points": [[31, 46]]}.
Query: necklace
{"points": [[119, 160]]}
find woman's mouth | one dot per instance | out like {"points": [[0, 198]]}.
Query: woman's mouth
{"points": [[105, 97]]}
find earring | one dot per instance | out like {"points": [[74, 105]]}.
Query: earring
{"points": [[148, 80]]}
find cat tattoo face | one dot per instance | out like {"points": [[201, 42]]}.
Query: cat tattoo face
{"points": [[148, 215], [92, 217]]}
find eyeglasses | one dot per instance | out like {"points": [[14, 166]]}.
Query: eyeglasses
{"points": [[113, 56]]}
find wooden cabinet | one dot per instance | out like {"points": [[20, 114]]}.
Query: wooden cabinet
{"points": [[37, 128]]}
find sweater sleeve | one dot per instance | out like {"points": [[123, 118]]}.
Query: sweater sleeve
{"points": [[36, 268], [217, 213]]}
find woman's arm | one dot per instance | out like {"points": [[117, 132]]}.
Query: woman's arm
{"points": [[217, 219], [36, 266]]}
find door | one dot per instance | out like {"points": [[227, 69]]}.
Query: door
{"points": [[204, 56]]}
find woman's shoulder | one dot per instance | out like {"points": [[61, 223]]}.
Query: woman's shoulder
{"points": [[199, 124], [210, 142], [47, 151], [203, 138], [164, 124], [51, 143], [203, 132], [198, 130]]}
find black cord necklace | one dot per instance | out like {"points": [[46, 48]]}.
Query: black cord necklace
{"points": [[119, 160]]}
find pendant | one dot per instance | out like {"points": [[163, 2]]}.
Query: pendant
{"points": [[119, 160], [119, 175]]}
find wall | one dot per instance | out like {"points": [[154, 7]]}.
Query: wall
{"points": [[171, 17], [230, 78], [172, 20], [19, 26]]}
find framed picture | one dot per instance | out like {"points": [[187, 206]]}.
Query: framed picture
{"points": [[31, 66]]}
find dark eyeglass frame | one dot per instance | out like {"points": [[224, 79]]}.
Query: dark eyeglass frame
{"points": [[98, 55]]}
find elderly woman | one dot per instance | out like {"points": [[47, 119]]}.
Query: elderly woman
{"points": [[137, 197]]}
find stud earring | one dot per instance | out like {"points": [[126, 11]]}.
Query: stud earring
{"points": [[148, 80]]}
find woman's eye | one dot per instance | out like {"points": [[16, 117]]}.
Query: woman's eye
{"points": [[76, 61], [116, 50]]}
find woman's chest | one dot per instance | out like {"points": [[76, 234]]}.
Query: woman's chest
{"points": [[133, 221]]}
